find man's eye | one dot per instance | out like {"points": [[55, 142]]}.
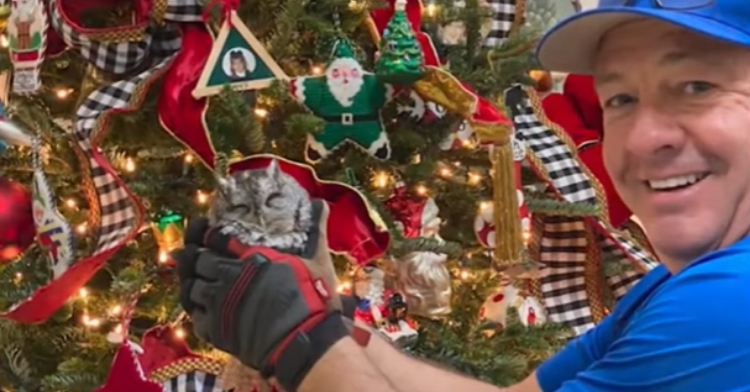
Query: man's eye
{"points": [[696, 87], [619, 100]]}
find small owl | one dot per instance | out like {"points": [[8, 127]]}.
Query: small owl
{"points": [[265, 207]]}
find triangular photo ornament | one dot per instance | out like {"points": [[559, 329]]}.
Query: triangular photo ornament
{"points": [[237, 60]]}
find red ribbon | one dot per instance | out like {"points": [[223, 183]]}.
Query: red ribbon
{"points": [[227, 6]]}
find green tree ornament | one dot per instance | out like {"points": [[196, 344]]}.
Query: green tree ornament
{"points": [[400, 60]]}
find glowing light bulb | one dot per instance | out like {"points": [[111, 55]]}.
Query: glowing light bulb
{"points": [[344, 286], [129, 165], [464, 274], [189, 158], [18, 277], [115, 310], [63, 93], [381, 179], [118, 329], [202, 197], [179, 333], [93, 323], [317, 70], [485, 205], [71, 203], [431, 9], [445, 172], [163, 256], [260, 112], [4, 42], [421, 190], [474, 178], [83, 293], [81, 229]]}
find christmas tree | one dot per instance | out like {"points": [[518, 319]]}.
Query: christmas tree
{"points": [[400, 58], [126, 152]]}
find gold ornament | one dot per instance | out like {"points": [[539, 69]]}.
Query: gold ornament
{"points": [[168, 229]]}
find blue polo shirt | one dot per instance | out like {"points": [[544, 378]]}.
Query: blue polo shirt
{"points": [[684, 333]]}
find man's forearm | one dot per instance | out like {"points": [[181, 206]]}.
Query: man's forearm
{"points": [[380, 367], [345, 368], [409, 374]]}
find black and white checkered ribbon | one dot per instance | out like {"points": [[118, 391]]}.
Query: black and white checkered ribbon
{"points": [[501, 22], [121, 215], [565, 240], [193, 382]]}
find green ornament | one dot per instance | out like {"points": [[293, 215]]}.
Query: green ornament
{"points": [[401, 59]]}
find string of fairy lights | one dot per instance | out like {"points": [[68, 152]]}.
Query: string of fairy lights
{"points": [[381, 180]]}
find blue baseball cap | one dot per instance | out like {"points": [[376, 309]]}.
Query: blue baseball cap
{"points": [[571, 45]]}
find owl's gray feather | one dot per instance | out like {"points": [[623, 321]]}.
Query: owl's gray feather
{"points": [[265, 207]]}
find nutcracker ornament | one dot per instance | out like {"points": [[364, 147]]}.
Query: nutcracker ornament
{"points": [[27, 36], [349, 100]]}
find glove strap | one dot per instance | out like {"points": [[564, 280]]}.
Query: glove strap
{"points": [[306, 349]]}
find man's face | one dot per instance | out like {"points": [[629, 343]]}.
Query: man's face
{"points": [[677, 135]]}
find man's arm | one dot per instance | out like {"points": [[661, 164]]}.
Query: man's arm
{"points": [[345, 368], [683, 340], [397, 372]]}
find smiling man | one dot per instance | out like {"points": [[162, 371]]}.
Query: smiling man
{"points": [[673, 77]]}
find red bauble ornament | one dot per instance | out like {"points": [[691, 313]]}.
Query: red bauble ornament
{"points": [[17, 229]]}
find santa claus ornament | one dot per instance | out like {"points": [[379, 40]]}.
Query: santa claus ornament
{"points": [[349, 100]]}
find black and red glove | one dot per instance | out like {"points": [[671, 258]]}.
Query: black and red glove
{"points": [[262, 306]]}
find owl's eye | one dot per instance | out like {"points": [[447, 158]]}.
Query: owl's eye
{"points": [[273, 199], [240, 208]]}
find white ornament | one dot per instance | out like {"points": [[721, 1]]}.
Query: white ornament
{"points": [[484, 225], [495, 307], [531, 312]]}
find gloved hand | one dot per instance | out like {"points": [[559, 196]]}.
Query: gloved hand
{"points": [[275, 312]]}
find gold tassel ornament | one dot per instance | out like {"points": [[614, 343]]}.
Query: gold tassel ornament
{"points": [[508, 233]]}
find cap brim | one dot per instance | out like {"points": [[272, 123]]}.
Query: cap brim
{"points": [[571, 45]]}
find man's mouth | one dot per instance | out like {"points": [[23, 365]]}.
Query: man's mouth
{"points": [[676, 183]]}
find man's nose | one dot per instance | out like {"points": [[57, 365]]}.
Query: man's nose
{"points": [[654, 132]]}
